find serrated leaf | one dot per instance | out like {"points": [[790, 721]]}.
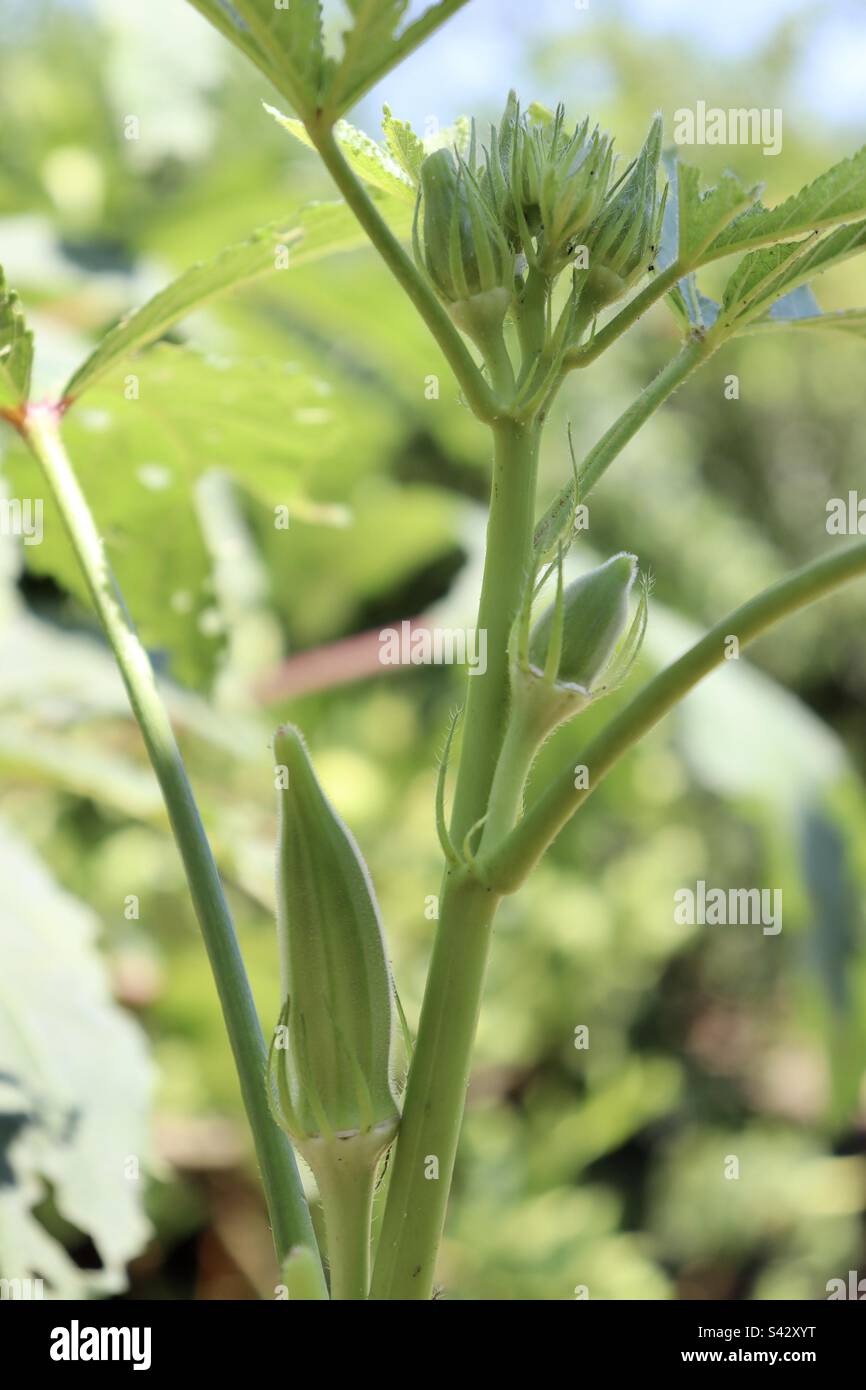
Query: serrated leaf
{"points": [[16, 350], [318, 230], [375, 44], [702, 215], [289, 36], [407, 148], [767, 275], [839, 195], [225, 18], [688, 215], [748, 285], [370, 162]]}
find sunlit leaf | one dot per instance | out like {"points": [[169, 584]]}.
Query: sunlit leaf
{"points": [[839, 195], [375, 43], [318, 230], [369, 161]]}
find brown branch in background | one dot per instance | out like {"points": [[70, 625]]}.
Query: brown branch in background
{"points": [[333, 664]]}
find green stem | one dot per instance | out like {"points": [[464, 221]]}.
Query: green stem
{"points": [[519, 748], [439, 1074], [693, 353], [507, 867], [635, 309], [506, 574], [346, 1181], [423, 1164], [302, 1276], [479, 397], [290, 1218]]}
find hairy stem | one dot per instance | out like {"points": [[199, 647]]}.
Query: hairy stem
{"points": [[423, 1164], [509, 865], [290, 1218], [635, 309], [692, 354]]}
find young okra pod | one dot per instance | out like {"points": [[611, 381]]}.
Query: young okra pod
{"points": [[330, 1068]]}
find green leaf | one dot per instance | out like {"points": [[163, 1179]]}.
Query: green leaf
{"points": [[406, 147], [225, 17], [16, 350], [767, 275], [373, 46], [703, 215], [318, 230], [267, 424], [835, 196], [68, 1123], [691, 220], [749, 286], [370, 162], [288, 36]]}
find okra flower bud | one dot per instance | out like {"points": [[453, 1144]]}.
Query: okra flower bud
{"points": [[330, 1068], [623, 239], [595, 614], [465, 251], [583, 646], [547, 185]]}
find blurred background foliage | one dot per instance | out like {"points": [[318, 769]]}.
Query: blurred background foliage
{"points": [[602, 1167]]}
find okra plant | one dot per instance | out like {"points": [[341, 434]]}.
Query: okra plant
{"points": [[528, 249]]}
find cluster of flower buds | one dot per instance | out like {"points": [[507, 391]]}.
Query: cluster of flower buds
{"points": [[540, 198], [547, 185], [330, 1069], [623, 240]]}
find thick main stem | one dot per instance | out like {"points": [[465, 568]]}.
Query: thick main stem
{"points": [[423, 1164], [290, 1219], [436, 1089], [506, 574]]}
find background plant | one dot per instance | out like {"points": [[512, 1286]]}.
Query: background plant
{"points": [[623, 540]]}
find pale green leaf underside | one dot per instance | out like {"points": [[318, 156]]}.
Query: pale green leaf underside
{"points": [[374, 165], [285, 42], [16, 350], [406, 148], [318, 230], [290, 37], [839, 195]]}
